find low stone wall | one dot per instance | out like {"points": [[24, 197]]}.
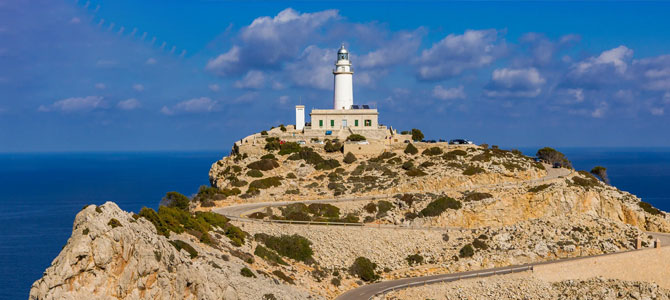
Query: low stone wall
{"points": [[371, 149], [649, 265]]}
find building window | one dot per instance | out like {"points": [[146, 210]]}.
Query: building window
{"points": [[320, 123], [356, 123], [368, 123], [332, 123]]}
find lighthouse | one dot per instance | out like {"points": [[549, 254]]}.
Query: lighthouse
{"points": [[343, 97]]}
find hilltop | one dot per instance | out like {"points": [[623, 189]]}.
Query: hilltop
{"points": [[418, 209]]}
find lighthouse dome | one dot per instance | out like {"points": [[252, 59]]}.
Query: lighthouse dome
{"points": [[342, 50]]}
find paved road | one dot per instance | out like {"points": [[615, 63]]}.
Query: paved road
{"points": [[367, 291]]}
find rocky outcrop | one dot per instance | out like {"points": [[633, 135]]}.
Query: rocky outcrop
{"points": [[127, 259]]}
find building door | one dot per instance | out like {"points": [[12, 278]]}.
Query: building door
{"points": [[344, 123]]}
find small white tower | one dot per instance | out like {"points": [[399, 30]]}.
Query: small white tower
{"points": [[344, 90], [299, 117]]}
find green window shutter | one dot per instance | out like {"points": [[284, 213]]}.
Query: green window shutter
{"points": [[332, 123], [320, 123], [356, 123]]}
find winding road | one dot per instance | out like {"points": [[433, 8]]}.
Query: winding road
{"points": [[238, 213]]}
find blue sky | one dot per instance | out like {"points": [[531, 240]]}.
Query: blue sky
{"points": [[197, 75]]}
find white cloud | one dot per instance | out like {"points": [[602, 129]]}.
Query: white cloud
{"points": [[312, 68], [577, 93], [440, 92], [457, 53], [397, 50], [151, 61], [75, 104], [214, 87], [224, 62], [283, 99], [657, 111], [505, 83], [195, 105], [75, 20], [616, 57], [100, 86], [129, 104], [252, 80], [138, 87]]}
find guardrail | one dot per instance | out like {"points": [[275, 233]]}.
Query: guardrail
{"points": [[450, 279]]}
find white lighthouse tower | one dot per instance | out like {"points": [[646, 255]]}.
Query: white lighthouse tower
{"points": [[344, 90]]}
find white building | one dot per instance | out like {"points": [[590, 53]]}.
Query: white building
{"points": [[346, 117]]}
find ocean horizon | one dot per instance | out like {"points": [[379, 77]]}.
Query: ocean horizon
{"points": [[42, 193]]}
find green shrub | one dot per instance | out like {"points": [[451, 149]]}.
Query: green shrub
{"points": [[414, 259], [282, 127], [415, 173], [383, 207], [472, 170], [510, 166], [291, 175], [476, 196], [85, 231], [257, 215], [272, 144], [410, 149], [466, 251], [283, 276], [175, 199], [349, 158], [324, 210], [408, 165], [246, 272], [439, 205], [355, 138], [649, 208], [485, 146], [264, 132], [263, 164], [458, 153], [588, 182], [268, 156], [292, 192], [417, 135], [254, 173], [265, 183], [350, 218], [601, 172], [269, 297], [370, 207], [179, 245], [408, 199], [432, 151], [269, 255], [332, 147], [327, 165], [426, 164], [114, 223], [479, 244], [288, 148], [153, 217], [364, 269], [292, 246], [552, 156], [538, 188], [336, 281]]}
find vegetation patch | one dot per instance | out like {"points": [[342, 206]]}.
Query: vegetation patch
{"points": [[288, 148], [476, 196], [410, 149], [552, 156], [114, 223], [179, 245], [246, 272], [433, 151], [356, 138], [438, 206], [265, 164], [268, 156], [349, 158], [466, 251], [383, 207], [649, 208], [255, 173], [332, 147], [324, 210], [538, 188], [265, 183], [364, 269], [415, 172], [292, 246], [283, 276], [269, 255], [175, 199], [479, 244], [472, 170], [414, 259]]}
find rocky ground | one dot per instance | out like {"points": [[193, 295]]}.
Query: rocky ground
{"points": [[524, 286]]}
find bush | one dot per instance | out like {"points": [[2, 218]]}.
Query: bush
{"points": [[410, 149], [269, 255], [479, 244], [415, 172], [355, 138], [327, 165], [335, 281], [264, 132], [349, 158], [265, 183], [288, 148], [268, 156], [272, 144], [179, 245], [383, 207], [476, 196], [153, 217], [438, 206], [601, 172], [254, 173], [247, 273], [257, 215], [282, 127], [263, 164], [175, 199], [324, 210], [538, 188], [408, 165], [292, 246], [414, 259], [485, 146], [283, 276], [332, 147], [472, 170], [432, 151], [649, 208], [291, 176], [417, 135], [458, 152], [466, 251], [364, 269], [552, 156], [114, 223], [370, 207], [408, 199]]}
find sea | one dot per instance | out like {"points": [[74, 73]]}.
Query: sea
{"points": [[40, 193]]}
